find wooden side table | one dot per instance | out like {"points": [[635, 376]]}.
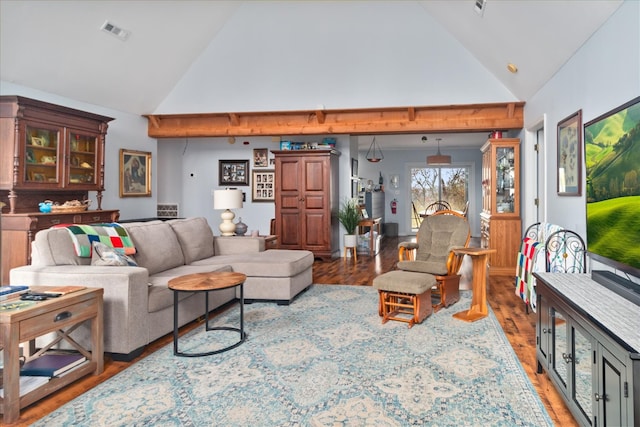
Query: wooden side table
{"points": [[60, 315], [206, 282], [478, 309]]}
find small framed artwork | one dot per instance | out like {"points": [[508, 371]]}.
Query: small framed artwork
{"points": [[569, 147], [263, 189], [233, 172], [354, 167], [135, 173], [260, 158]]}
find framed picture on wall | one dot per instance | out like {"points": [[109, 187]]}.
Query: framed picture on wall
{"points": [[260, 158], [262, 186], [233, 172], [569, 160], [135, 173]]}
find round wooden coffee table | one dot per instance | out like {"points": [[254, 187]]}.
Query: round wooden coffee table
{"points": [[206, 282]]}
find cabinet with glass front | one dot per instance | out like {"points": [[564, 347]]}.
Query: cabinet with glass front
{"points": [[49, 149], [500, 225], [501, 176]]}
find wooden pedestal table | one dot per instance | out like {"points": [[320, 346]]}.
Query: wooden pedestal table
{"points": [[206, 282], [478, 309]]}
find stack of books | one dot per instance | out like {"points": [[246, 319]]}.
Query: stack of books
{"points": [[28, 384], [12, 291], [52, 365]]}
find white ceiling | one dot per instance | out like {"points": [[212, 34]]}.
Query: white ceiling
{"points": [[57, 46]]}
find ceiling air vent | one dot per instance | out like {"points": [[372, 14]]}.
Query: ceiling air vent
{"points": [[479, 6], [115, 31]]}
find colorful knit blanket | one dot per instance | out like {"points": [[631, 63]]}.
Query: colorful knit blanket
{"points": [[525, 282], [111, 234]]}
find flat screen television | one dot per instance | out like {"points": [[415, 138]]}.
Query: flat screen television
{"points": [[612, 160]]}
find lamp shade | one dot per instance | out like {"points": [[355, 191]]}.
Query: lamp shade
{"points": [[227, 199], [438, 160]]}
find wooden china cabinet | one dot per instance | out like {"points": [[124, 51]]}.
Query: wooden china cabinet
{"points": [[306, 199], [47, 152], [500, 223]]}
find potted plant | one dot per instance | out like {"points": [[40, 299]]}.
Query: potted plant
{"points": [[349, 216]]}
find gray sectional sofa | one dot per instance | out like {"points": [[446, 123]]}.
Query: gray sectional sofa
{"points": [[138, 306]]}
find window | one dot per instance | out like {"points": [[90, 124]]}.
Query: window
{"points": [[430, 184]]}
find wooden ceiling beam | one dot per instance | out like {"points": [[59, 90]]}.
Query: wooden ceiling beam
{"points": [[412, 114], [450, 118]]}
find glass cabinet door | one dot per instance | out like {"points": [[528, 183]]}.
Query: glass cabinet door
{"points": [[505, 180], [41, 155], [561, 350], [486, 181], [83, 158], [582, 372]]}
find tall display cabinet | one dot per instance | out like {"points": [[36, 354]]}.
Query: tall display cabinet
{"points": [[47, 152], [500, 223], [306, 199]]}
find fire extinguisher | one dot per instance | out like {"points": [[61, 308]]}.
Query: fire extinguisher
{"points": [[394, 206]]}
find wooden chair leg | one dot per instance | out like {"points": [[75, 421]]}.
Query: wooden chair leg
{"points": [[449, 291]]}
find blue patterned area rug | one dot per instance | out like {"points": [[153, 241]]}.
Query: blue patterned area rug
{"points": [[325, 360]]}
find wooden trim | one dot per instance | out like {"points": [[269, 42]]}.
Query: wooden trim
{"points": [[391, 120]]}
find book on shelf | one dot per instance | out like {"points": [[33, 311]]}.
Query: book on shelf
{"points": [[28, 384], [11, 291], [62, 290], [51, 365]]}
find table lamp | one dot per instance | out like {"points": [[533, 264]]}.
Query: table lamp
{"points": [[227, 200]]}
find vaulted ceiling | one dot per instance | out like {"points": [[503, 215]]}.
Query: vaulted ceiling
{"points": [[58, 46]]}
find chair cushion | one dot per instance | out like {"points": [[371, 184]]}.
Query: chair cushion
{"points": [[404, 281], [438, 268], [436, 236]]}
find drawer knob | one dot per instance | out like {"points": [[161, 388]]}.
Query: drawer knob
{"points": [[55, 221], [597, 397], [62, 316]]}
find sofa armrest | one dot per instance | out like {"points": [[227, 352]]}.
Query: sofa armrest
{"points": [[125, 297], [237, 245]]}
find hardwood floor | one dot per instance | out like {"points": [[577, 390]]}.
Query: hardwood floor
{"points": [[518, 326]]}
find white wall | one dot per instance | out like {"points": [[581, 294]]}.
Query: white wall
{"points": [[125, 131], [602, 75], [399, 55], [190, 171]]}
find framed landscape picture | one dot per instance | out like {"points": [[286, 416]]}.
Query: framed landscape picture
{"points": [[135, 173], [263, 189], [233, 172], [569, 160]]}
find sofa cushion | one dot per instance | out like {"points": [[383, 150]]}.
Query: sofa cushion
{"points": [[161, 297], [157, 246], [106, 255], [53, 246], [270, 263], [195, 238]]}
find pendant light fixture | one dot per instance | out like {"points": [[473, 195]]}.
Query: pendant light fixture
{"points": [[438, 159], [374, 155]]}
